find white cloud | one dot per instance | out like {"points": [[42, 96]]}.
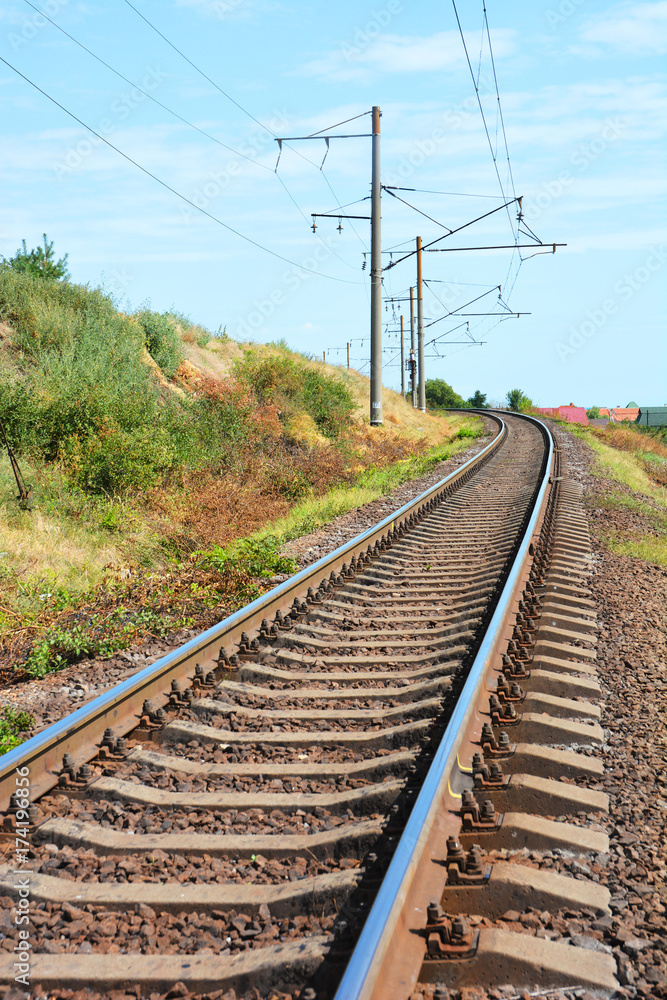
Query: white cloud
{"points": [[400, 54], [630, 29]]}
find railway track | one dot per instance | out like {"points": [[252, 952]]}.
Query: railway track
{"points": [[291, 802]]}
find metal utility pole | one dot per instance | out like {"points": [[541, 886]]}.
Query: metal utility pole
{"points": [[420, 329], [324, 356], [376, 278], [412, 345], [348, 357], [402, 360]]}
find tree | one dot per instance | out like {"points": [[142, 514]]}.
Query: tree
{"points": [[518, 401], [593, 413], [39, 262], [478, 400], [439, 393]]}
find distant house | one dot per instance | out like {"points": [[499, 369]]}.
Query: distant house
{"points": [[620, 413], [652, 416], [572, 414]]}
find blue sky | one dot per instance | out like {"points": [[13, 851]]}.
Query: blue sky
{"points": [[582, 91]]}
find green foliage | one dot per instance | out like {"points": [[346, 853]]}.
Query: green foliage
{"points": [[469, 430], [162, 340], [258, 557], [39, 262], [593, 413], [78, 394], [294, 386], [440, 393], [100, 636], [13, 725], [518, 402], [478, 400]]}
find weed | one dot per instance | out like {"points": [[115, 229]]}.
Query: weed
{"points": [[101, 636], [13, 725], [257, 557]]}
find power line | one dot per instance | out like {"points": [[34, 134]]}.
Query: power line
{"points": [[168, 187], [452, 194], [150, 97], [245, 111], [500, 108], [486, 130], [450, 233], [200, 71], [185, 121], [418, 210], [481, 109]]}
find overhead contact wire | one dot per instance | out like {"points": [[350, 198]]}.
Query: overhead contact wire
{"points": [[168, 187]]}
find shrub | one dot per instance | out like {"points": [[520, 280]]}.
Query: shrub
{"points": [[259, 557], [162, 340], [13, 726], [116, 460], [292, 385], [518, 401]]}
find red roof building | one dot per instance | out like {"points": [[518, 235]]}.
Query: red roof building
{"points": [[571, 414], [623, 413]]}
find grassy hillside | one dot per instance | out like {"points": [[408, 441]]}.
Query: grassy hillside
{"points": [[636, 463], [152, 448]]}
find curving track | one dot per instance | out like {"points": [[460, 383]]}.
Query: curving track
{"points": [[230, 817]]}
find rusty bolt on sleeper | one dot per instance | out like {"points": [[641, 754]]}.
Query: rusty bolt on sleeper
{"points": [[495, 746], [465, 869], [506, 692], [71, 777], [480, 818], [448, 937], [112, 748], [502, 715], [487, 775]]}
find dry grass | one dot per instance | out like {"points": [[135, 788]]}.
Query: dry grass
{"points": [[630, 439]]}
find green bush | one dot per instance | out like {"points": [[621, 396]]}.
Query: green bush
{"points": [[13, 725], [294, 386], [78, 392], [162, 340], [440, 393], [118, 460], [259, 557]]}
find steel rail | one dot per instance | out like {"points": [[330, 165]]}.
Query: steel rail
{"points": [[361, 976], [120, 707]]}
